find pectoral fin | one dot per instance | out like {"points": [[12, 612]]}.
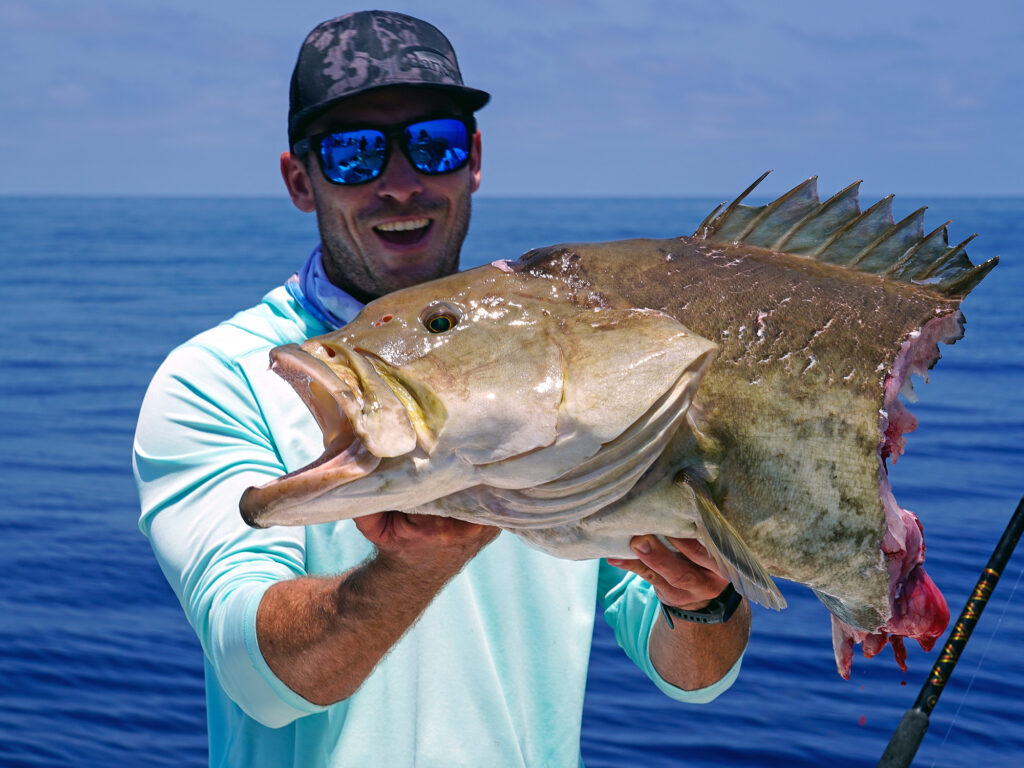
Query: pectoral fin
{"points": [[735, 560]]}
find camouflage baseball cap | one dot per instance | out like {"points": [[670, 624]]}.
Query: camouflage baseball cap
{"points": [[363, 51]]}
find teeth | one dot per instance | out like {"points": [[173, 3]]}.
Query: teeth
{"points": [[403, 226]]}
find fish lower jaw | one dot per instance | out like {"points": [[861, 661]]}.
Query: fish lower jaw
{"points": [[345, 453], [282, 500]]}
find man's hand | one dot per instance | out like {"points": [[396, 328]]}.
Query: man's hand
{"points": [[414, 539], [686, 577], [688, 655]]}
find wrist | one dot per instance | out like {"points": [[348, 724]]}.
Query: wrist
{"points": [[694, 606], [715, 611]]}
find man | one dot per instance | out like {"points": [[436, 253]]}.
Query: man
{"points": [[394, 639]]}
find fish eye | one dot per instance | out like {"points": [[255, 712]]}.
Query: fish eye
{"points": [[440, 318], [440, 323]]}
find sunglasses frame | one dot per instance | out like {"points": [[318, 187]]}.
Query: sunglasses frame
{"points": [[390, 132]]}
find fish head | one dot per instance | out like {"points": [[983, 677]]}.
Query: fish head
{"points": [[490, 377]]}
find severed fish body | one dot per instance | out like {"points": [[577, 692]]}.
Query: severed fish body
{"points": [[739, 386]]}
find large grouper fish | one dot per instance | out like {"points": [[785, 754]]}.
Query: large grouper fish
{"points": [[739, 386]]}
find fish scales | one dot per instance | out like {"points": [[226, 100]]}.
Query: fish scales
{"points": [[761, 398]]}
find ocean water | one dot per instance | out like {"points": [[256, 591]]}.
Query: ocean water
{"points": [[98, 666]]}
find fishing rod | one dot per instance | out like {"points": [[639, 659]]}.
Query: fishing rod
{"points": [[907, 738]]}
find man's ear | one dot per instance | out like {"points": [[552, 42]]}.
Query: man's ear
{"points": [[296, 178], [474, 163]]}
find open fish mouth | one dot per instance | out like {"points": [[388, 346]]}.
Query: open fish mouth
{"points": [[919, 610], [362, 418]]}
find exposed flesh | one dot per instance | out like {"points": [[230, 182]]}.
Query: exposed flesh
{"points": [[919, 610]]}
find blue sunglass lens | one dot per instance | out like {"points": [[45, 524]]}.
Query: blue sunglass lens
{"points": [[352, 157], [437, 146]]}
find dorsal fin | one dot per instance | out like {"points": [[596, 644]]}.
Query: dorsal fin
{"points": [[837, 232]]}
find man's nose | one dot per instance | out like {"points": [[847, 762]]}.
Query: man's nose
{"points": [[399, 180]]}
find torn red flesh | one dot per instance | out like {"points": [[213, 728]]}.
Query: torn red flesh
{"points": [[918, 609], [900, 422]]}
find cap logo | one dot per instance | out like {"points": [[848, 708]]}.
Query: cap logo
{"points": [[420, 57]]}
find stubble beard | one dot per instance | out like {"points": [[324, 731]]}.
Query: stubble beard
{"points": [[347, 269]]}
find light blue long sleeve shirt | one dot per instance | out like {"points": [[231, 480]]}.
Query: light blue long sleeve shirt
{"points": [[493, 672]]}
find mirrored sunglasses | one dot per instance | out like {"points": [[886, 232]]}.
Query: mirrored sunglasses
{"points": [[360, 154]]}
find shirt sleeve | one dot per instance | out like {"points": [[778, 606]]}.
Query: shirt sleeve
{"points": [[631, 608], [200, 441]]}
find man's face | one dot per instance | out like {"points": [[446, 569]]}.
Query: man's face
{"points": [[403, 227]]}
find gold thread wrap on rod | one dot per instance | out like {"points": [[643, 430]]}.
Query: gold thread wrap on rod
{"points": [[958, 638]]}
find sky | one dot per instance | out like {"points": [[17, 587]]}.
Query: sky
{"points": [[599, 97]]}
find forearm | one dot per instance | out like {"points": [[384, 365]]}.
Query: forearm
{"points": [[322, 637], [690, 655]]}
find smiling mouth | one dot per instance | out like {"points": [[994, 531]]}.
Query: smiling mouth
{"points": [[408, 232]]}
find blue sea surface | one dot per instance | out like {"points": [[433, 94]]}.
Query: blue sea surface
{"points": [[98, 666]]}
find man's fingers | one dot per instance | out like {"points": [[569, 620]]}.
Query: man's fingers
{"points": [[641, 570], [695, 551], [677, 578], [374, 527], [398, 530], [446, 529], [668, 563]]}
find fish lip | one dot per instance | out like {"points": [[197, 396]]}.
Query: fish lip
{"points": [[345, 457], [301, 370]]}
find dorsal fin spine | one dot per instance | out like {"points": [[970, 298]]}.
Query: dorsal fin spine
{"points": [[916, 218], [736, 203], [939, 263], [849, 226], [964, 282], [774, 206], [898, 268], [838, 197], [705, 226]]}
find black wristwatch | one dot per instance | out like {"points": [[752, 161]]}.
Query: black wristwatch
{"points": [[717, 611]]}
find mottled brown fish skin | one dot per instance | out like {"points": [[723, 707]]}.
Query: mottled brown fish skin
{"points": [[788, 416]]}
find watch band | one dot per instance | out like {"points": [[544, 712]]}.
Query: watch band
{"points": [[717, 611]]}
